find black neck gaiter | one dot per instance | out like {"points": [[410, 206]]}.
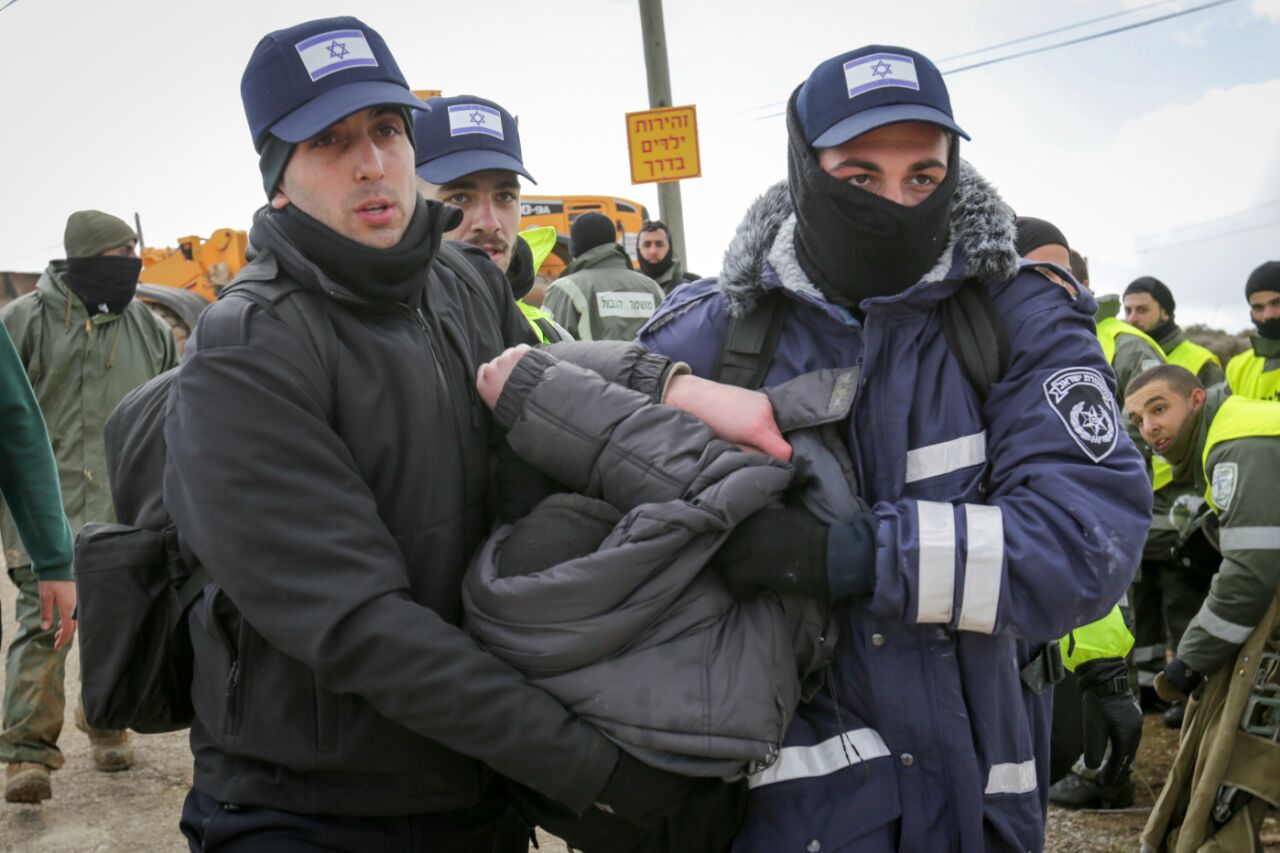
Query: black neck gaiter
{"points": [[655, 270], [1182, 455], [378, 275], [1164, 331], [520, 272], [104, 283], [853, 244], [1269, 329]]}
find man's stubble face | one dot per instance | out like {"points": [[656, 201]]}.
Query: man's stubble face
{"points": [[356, 177], [490, 205]]}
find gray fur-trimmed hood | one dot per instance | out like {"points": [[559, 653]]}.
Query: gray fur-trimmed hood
{"points": [[982, 233]]}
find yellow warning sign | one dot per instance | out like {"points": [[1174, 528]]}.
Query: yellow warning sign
{"points": [[663, 144], [426, 94]]}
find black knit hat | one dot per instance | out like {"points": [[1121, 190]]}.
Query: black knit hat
{"points": [[1157, 291], [590, 230], [1033, 233], [1265, 277]]}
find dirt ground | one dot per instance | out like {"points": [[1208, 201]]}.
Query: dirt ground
{"points": [[137, 811]]}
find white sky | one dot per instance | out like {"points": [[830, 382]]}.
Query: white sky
{"points": [[1129, 143]]}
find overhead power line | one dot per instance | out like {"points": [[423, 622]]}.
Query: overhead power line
{"points": [[1044, 48], [1204, 222], [1182, 243], [1077, 25], [7, 5], [1089, 37]]}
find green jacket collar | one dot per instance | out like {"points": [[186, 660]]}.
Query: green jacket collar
{"points": [[1212, 403], [607, 255], [1172, 339], [1265, 347]]}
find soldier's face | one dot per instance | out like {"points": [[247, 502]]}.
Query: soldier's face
{"points": [[1142, 310], [903, 163], [356, 177], [490, 204], [1161, 413], [653, 246], [1264, 305]]}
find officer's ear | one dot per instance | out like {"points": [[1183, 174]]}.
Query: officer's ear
{"points": [[1197, 398]]}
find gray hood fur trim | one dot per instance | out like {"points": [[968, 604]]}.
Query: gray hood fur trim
{"points": [[982, 231]]}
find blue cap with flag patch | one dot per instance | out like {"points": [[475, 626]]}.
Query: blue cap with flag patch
{"points": [[302, 79], [465, 134], [858, 91]]}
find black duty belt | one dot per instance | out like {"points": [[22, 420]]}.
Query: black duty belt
{"points": [[1044, 668]]}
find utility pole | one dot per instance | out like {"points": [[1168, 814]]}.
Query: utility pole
{"points": [[659, 76]]}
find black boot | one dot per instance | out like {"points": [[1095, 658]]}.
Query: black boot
{"points": [[1073, 791], [1173, 716]]}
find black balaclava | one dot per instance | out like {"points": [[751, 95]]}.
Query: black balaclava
{"points": [[379, 275], [104, 283], [1265, 277], [274, 154], [851, 243], [520, 272], [655, 270]]}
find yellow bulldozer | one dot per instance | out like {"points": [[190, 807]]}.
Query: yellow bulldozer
{"points": [[178, 283]]}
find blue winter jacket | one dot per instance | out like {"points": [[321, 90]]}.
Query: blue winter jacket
{"points": [[1002, 526]]}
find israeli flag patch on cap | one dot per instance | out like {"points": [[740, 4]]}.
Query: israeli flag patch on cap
{"points": [[474, 118], [335, 51], [878, 71]]}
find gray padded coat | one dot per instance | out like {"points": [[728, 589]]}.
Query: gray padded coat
{"points": [[635, 638]]}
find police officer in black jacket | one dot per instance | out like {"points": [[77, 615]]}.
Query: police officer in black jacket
{"points": [[331, 474]]}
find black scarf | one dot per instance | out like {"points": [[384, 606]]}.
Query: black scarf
{"points": [[1165, 330], [654, 271], [1269, 329], [377, 275], [1183, 455], [104, 283], [520, 272], [853, 244]]}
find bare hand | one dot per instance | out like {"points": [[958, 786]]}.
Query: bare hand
{"points": [[60, 594], [493, 375], [734, 414]]}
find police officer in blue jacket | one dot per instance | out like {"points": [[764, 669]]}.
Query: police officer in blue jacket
{"points": [[996, 524]]}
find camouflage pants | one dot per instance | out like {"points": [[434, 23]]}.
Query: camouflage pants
{"points": [[35, 698]]}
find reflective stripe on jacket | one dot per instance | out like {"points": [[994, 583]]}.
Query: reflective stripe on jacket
{"points": [[1003, 526]]}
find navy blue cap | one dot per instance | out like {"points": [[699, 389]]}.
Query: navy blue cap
{"points": [[302, 79], [858, 91], [465, 134]]}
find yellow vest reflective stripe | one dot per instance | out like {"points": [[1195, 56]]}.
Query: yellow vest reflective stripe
{"points": [[1192, 356], [1161, 472], [533, 314], [1247, 376], [1238, 417], [1111, 327], [1109, 637]]}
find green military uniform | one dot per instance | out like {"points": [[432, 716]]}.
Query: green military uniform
{"points": [[1234, 459], [1181, 587], [80, 368], [1131, 351], [673, 276], [600, 297], [1256, 371]]}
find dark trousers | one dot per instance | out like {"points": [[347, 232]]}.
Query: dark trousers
{"points": [[1165, 598], [212, 827]]}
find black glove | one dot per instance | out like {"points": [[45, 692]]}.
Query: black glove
{"points": [[1182, 678], [640, 794], [1111, 715], [790, 551]]}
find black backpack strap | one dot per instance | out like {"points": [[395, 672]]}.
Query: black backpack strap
{"points": [[750, 342], [977, 336], [455, 260], [311, 318]]}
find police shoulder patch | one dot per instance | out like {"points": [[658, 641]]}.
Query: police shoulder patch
{"points": [[1083, 402], [1223, 488]]}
